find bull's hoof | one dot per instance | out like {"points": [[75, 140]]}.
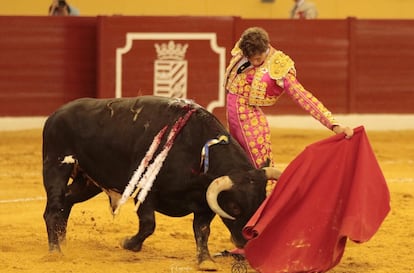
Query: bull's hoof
{"points": [[54, 248], [207, 265], [62, 239], [129, 244], [53, 257]]}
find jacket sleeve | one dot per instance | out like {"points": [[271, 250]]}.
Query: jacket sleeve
{"points": [[307, 101], [279, 65]]}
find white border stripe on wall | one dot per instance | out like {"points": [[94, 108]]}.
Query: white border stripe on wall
{"points": [[22, 200], [374, 122]]}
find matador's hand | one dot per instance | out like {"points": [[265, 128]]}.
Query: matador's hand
{"points": [[338, 129]]}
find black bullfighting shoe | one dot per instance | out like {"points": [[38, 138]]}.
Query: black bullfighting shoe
{"points": [[236, 253]]}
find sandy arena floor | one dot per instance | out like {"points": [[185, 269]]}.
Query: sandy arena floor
{"points": [[93, 234]]}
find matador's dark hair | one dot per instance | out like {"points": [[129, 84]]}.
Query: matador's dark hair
{"points": [[254, 40]]}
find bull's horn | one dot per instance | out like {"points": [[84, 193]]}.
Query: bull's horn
{"points": [[272, 173], [218, 185]]}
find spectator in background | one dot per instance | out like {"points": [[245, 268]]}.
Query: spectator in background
{"points": [[62, 8], [303, 10]]}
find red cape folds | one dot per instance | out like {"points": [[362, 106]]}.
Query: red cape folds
{"points": [[332, 191]]}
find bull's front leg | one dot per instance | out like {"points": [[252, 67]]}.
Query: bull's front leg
{"points": [[146, 217], [201, 227]]}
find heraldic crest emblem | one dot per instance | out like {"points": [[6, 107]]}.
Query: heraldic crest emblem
{"points": [[170, 70]]}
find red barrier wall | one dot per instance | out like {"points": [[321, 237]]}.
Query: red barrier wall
{"points": [[382, 66], [353, 66], [45, 62]]}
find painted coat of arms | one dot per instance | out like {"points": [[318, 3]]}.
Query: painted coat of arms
{"points": [[170, 70]]}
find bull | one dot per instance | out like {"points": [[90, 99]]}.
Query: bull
{"points": [[97, 145]]}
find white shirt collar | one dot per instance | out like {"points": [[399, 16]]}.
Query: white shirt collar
{"points": [[300, 2]]}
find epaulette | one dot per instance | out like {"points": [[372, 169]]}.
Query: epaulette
{"points": [[236, 50], [279, 65]]}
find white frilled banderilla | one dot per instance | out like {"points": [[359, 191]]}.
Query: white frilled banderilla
{"points": [[143, 178]]}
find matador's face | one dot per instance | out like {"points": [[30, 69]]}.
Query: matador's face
{"points": [[258, 59]]}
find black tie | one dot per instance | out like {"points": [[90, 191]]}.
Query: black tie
{"points": [[243, 67]]}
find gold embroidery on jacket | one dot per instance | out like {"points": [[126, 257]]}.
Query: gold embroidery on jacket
{"points": [[280, 64], [277, 65]]}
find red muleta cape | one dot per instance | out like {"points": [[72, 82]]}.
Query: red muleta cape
{"points": [[332, 191]]}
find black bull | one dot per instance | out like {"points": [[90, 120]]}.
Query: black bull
{"points": [[99, 143]]}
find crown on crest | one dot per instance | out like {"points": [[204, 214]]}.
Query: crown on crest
{"points": [[171, 51]]}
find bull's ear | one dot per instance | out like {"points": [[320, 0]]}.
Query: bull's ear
{"points": [[272, 173], [265, 164]]}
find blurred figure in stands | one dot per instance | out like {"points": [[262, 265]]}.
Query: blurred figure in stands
{"points": [[303, 10], [62, 8]]}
